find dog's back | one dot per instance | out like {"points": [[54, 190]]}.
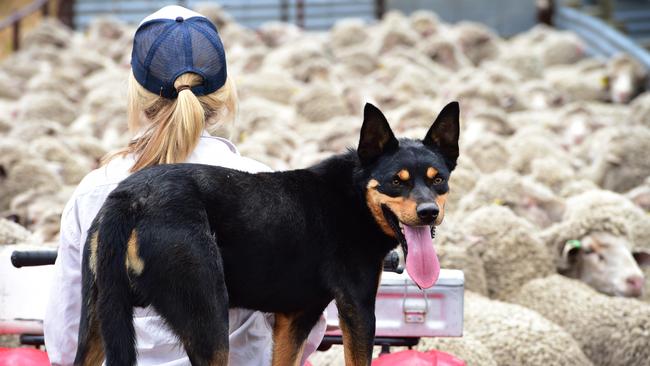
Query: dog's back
{"points": [[194, 240]]}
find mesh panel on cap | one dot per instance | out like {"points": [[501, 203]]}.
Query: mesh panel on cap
{"points": [[164, 49]]}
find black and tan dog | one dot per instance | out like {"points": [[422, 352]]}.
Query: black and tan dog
{"points": [[193, 240]]}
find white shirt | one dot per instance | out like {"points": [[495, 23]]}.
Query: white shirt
{"points": [[250, 331]]}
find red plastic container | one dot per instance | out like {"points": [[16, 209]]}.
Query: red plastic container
{"points": [[23, 357], [415, 358]]}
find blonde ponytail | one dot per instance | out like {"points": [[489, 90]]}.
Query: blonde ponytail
{"points": [[174, 126]]}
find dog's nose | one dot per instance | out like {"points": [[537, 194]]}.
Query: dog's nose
{"points": [[427, 211]]}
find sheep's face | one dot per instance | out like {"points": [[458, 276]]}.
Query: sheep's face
{"points": [[406, 184], [604, 262], [625, 80]]}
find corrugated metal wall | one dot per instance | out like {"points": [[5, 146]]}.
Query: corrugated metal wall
{"points": [[318, 14]]}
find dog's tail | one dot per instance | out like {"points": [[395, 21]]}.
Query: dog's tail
{"points": [[90, 350], [114, 310]]}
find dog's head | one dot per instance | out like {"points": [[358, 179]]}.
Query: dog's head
{"points": [[408, 183]]}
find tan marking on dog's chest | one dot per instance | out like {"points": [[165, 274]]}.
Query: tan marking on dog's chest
{"points": [[133, 260]]}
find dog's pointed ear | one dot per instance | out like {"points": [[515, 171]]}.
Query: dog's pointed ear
{"points": [[444, 133], [376, 135]]}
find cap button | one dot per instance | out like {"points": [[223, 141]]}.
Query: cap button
{"points": [[179, 19]]}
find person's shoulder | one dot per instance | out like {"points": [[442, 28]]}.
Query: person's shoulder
{"points": [[254, 166], [108, 175], [219, 151]]}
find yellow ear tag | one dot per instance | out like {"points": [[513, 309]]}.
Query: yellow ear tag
{"points": [[604, 81]]}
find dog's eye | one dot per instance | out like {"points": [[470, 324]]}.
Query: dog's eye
{"points": [[397, 181], [438, 180]]}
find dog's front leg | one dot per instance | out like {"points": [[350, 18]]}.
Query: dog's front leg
{"points": [[356, 307]]}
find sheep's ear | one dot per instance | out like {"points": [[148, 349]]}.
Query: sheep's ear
{"points": [[569, 254], [376, 135], [444, 133], [642, 257]]}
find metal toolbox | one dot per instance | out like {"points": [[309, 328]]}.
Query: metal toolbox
{"points": [[404, 310]]}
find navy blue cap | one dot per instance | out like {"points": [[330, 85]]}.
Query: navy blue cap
{"points": [[172, 42]]}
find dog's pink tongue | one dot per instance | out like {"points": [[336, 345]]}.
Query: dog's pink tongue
{"points": [[421, 260]]}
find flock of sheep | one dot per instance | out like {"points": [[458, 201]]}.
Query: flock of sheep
{"points": [[548, 205]]}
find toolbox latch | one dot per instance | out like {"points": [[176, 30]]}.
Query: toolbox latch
{"points": [[415, 308]]}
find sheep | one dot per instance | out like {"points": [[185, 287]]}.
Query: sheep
{"points": [[347, 33], [215, 12], [454, 254], [511, 254], [12, 233], [467, 348], [640, 109], [335, 135], [319, 102], [355, 61], [49, 32], [619, 157], [13, 86], [489, 152], [476, 41], [278, 86], [72, 168], [516, 335], [39, 210], [527, 198], [528, 65], [44, 105], [595, 243], [425, 22], [24, 175], [641, 195], [259, 114], [275, 34], [554, 174], [626, 78], [576, 121], [444, 52], [461, 182], [611, 331], [539, 95], [586, 80], [394, 32], [552, 46], [529, 144]]}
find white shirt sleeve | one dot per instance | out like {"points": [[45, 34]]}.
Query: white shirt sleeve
{"points": [[61, 323]]}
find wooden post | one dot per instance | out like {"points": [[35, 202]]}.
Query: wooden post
{"points": [[16, 33], [45, 9], [284, 10], [380, 8], [66, 12], [300, 13]]}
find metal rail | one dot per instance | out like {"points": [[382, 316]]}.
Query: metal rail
{"points": [[311, 14], [602, 39]]}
